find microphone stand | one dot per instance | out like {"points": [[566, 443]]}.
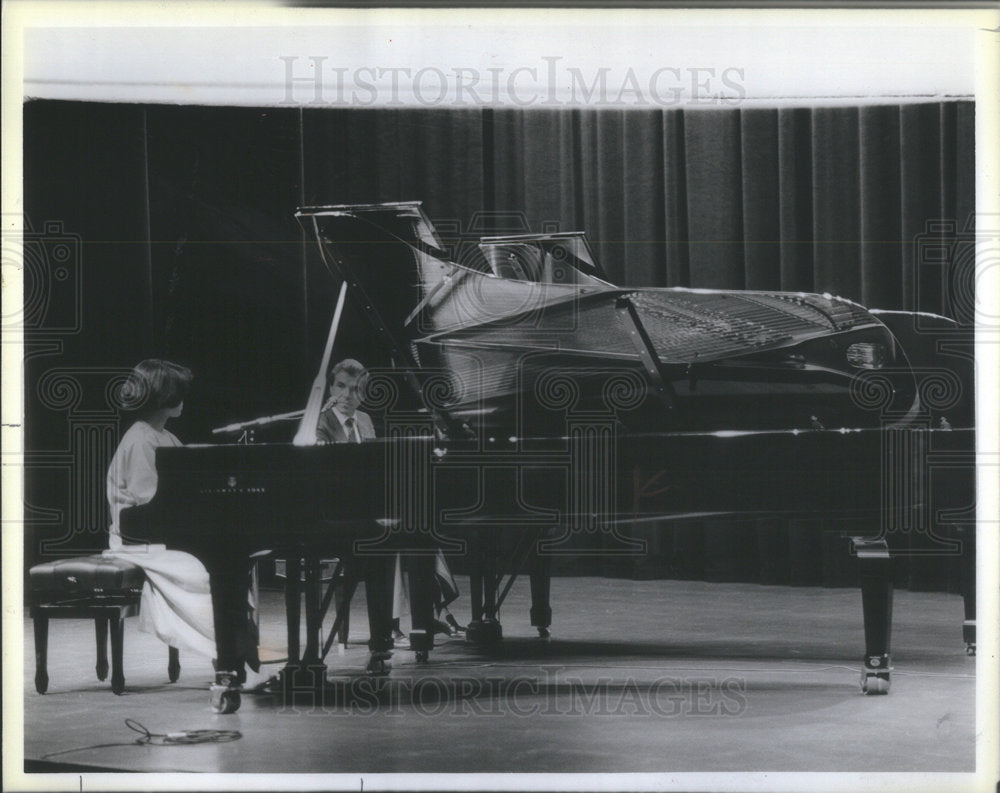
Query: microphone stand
{"points": [[264, 420]]}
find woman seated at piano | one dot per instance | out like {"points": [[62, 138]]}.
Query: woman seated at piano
{"points": [[176, 604]]}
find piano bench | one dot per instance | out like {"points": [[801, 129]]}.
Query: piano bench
{"points": [[106, 590]]}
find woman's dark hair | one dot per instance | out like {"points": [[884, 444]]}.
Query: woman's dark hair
{"points": [[155, 384]]}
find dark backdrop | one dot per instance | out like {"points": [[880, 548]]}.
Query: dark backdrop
{"points": [[168, 231]]}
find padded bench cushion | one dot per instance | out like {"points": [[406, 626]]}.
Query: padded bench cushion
{"points": [[84, 574]]}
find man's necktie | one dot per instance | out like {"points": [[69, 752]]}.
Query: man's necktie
{"points": [[352, 435]]}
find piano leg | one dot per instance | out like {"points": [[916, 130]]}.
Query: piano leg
{"points": [[305, 675], [490, 576], [541, 577], [293, 569], [421, 577], [229, 604], [876, 601], [968, 562], [475, 578], [379, 572], [290, 676], [41, 623], [484, 628], [312, 670]]}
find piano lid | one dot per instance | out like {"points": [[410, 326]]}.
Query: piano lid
{"points": [[564, 257], [404, 218], [545, 292]]}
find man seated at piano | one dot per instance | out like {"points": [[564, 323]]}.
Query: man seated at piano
{"points": [[176, 604], [341, 422]]}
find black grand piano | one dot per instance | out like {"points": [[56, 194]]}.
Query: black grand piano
{"points": [[530, 396]]}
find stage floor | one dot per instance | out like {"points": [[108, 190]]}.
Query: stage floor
{"points": [[640, 676]]}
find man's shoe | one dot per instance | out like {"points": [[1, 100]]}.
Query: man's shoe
{"points": [[378, 664]]}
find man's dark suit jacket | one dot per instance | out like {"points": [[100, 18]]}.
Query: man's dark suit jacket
{"points": [[330, 430]]}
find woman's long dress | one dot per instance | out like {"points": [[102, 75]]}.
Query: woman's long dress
{"points": [[176, 598]]}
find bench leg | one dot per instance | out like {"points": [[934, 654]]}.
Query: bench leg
{"points": [[117, 642], [174, 665], [101, 630], [41, 653]]}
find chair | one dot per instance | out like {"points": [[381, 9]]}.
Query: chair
{"points": [[106, 590]]}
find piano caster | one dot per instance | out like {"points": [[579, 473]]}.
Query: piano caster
{"points": [[225, 696], [225, 700], [378, 664], [875, 682], [875, 675], [484, 632], [422, 642], [543, 633], [969, 636]]}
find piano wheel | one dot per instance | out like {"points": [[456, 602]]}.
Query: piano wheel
{"points": [[230, 702], [874, 682], [225, 698], [969, 636], [543, 633], [225, 701], [422, 656]]}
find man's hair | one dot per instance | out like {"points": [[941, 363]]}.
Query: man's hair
{"points": [[349, 367], [153, 385]]}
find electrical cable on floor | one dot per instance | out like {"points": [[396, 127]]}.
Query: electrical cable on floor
{"points": [[179, 738]]}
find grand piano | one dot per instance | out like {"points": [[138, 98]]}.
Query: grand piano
{"points": [[529, 396]]}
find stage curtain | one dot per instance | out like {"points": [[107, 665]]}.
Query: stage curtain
{"points": [[190, 249], [826, 199]]}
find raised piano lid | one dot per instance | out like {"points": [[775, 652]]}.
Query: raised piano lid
{"points": [[559, 258], [478, 327], [386, 215], [575, 311]]}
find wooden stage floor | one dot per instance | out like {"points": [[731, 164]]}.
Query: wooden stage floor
{"points": [[640, 676]]}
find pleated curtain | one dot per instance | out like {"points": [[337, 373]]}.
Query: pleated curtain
{"points": [[191, 251]]}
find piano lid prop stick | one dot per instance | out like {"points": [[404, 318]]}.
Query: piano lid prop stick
{"points": [[306, 433]]}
